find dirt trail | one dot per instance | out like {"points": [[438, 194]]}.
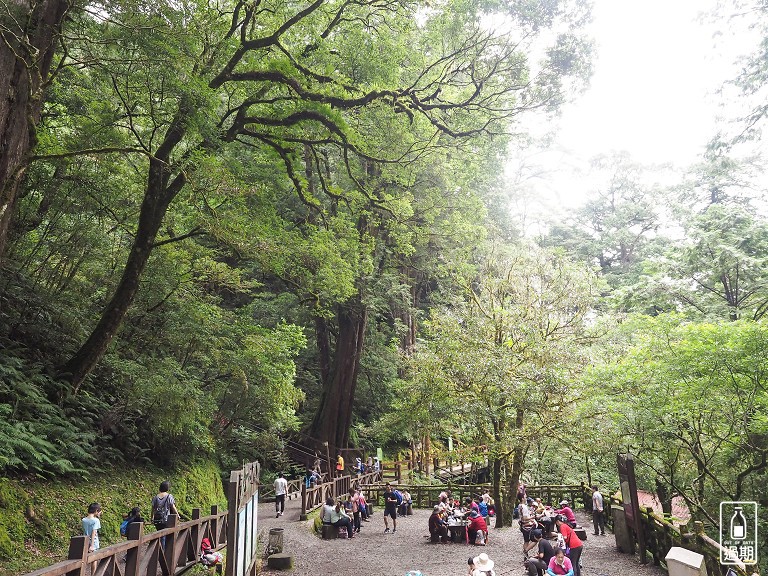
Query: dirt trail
{"points": [[373, 553]]}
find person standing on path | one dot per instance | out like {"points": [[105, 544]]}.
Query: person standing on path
{"points": [[354, 507], [390, 508], [91, 527], [573, 543], [163, 505], [598, 514], [281, 490]]}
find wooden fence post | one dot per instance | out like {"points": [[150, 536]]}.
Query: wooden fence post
{"points": [[303, 514], [78, 550], [133, 556], [232, 519], [169, 549], [215, 526], [195, 537]]}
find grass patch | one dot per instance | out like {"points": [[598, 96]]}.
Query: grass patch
{"points": [[38, 517]]}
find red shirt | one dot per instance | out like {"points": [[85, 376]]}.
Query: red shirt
{"points": [[477, 523], [569, 535], [568, 513]]}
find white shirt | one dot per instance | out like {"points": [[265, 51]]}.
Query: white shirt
{"points": [[281, 487], [597, 501]]}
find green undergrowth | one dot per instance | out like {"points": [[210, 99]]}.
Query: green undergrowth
{"points": [[38, 517]]}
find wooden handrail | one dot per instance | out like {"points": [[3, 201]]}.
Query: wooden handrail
{"points": [[314, 496], [661, 535], [171, 550]]}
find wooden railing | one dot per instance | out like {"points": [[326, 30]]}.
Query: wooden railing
{"points": [[661, 535], [552, 494], [423, 495], [314, 496], [267, 493], [459, 463], [427, 495], [145, 554]]}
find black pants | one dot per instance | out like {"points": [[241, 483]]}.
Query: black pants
{"points": [[280, 503], [598, 520], [547, 524], [356, 520], [346, 523], [441, 534], [536, 567], [574, 555]]}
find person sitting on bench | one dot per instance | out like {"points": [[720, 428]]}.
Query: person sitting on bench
{"points": [[335, 516], [438, 529], [566, 511], [477, 529]]}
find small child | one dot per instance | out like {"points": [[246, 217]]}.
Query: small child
{"points": [[91, 527], [208, 556], [133, 516]]}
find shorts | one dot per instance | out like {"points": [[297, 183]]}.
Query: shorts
{"points": [[390, 511], [526, 534]]}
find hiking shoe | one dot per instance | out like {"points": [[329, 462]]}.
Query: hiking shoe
{"points": [[394, 530], [386, 530], [277, 515]]}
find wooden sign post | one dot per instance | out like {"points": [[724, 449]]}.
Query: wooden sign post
{"points": [[630, 501]]}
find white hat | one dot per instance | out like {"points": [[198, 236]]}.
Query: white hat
{"points": [[563, 502], [482, 562]]}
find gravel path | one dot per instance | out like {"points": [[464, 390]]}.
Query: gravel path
{"points": [[373, 553]]}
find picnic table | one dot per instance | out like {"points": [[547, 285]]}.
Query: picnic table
{"points": [[458, 530]]}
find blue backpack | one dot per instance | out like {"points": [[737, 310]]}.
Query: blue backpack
{"points": [[399, 497], [124, 527]]}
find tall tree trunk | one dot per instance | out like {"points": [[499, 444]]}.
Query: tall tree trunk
{"points": [[28, 36], [664, 494], [515, 471], [160, 192], [333, 418], [153, 208], [323, 348], [497, 495]]}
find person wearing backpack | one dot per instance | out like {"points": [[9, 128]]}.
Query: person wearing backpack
{"points": [[133, 516], [163, 505]]}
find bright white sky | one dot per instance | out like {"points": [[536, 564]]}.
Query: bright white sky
{"points": [[657, 74], [658, 71]]}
